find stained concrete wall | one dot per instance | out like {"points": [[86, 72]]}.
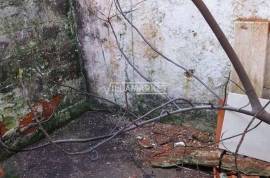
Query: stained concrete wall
{"points": [[176, 28], [37, 48]]}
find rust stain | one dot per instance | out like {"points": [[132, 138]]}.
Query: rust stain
{"points": [[252, 19], [110, 47], [244, 27], [44, 108], [152, 33], [189, 73]]}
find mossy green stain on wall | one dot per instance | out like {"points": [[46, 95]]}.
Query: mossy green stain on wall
{"points": [[36, 37], [62, 117]]}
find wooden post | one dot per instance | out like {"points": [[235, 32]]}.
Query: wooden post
{"points": [[251, 43]]}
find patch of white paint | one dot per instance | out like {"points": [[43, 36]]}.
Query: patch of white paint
{"points": [[176, 28], [236, 123]]}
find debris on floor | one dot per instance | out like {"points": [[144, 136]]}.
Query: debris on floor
{"points": [[164, 146], [116, 159]]}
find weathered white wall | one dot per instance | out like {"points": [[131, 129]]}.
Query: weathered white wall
{"points": [[176, 28]]}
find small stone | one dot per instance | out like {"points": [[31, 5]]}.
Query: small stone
{"points": [[177, 144]]}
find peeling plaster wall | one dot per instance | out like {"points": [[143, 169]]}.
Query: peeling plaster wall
{"points": [[36, 36], [176, 28]]}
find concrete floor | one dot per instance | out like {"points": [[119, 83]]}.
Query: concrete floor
{"points": [[116, 159]]}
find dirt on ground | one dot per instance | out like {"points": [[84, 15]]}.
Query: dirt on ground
{"points": [[116, 159]]}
